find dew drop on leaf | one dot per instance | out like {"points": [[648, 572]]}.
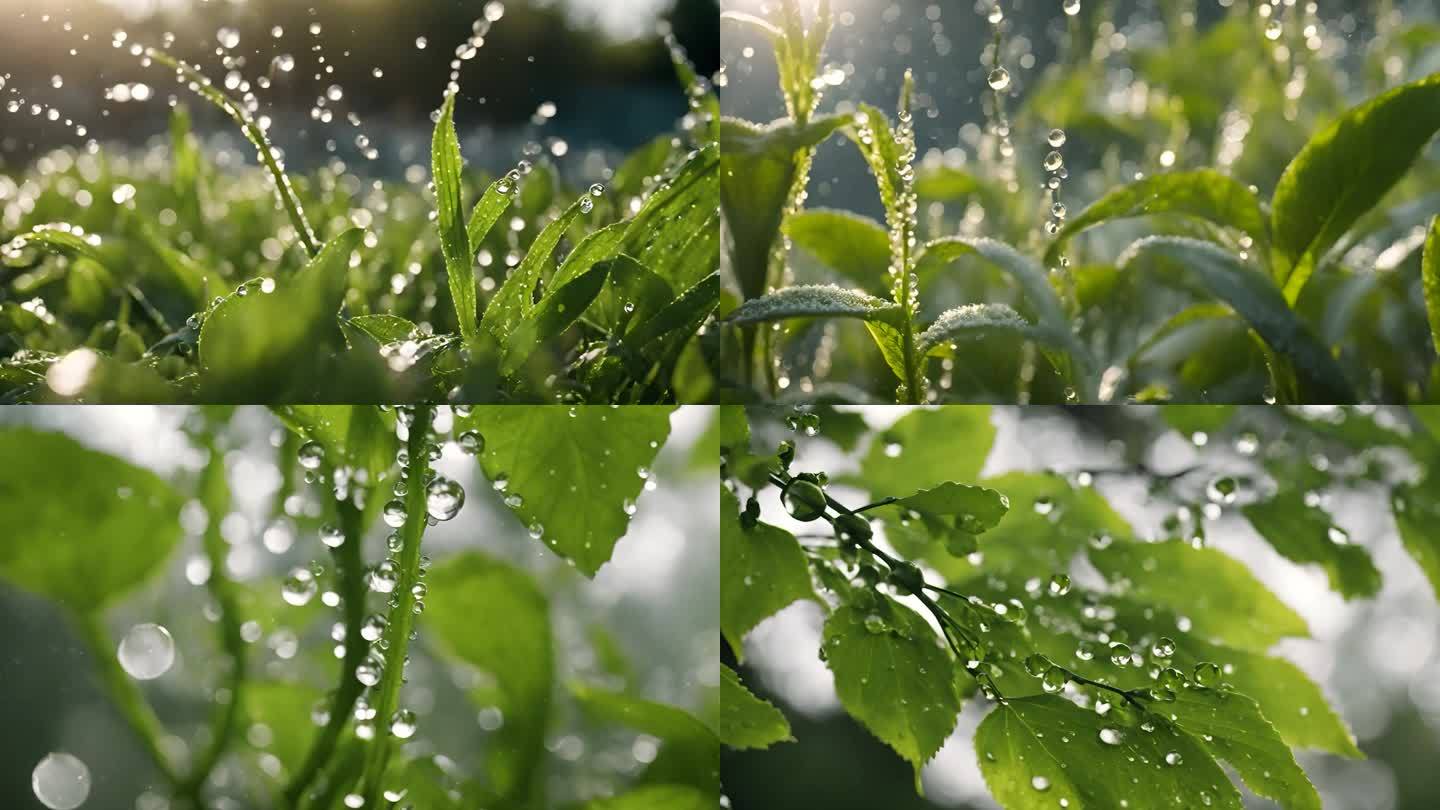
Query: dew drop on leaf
{"points": [[1040, 783], [472, 442], [311, 454], [394, 514], [299, 587], [1111, 736]]}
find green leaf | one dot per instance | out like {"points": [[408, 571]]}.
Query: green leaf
{"points": [[925, 447], [658, 797], [496, 199], [950, 513], [450, 220], [1191, 419], [360, 437], [1343, 171], [893, 675], [1430, 279], [758, 167], [762, 570], [681, 316], [812, 301], [690, 750], [60, 238], [82, 540], [1307, 534], [1047, 740], [676, 233], [285, 709], [1255, 299], [852, 245], [1203, 193], [553, 315], [747, 721], [1041, 302], [597, 246], [979, 321], [259, 344], [1416, 509], [1231, 727], [514, 302], [1234, 607], [519, 661], [383, 328], [571, 471]]}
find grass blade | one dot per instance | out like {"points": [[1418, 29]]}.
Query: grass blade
{"points": [[450, 219]]}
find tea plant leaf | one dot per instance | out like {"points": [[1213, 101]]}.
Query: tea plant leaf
{"points": [[1343, 171], [1037, 751], [1430, 279], [852, 245], [520, 661], [1255, 299], [747, 721], [893, 675], [979, 321], [1203, 193], [383, 328], [676, 232], [1416, 509], [84, 540], [597, 246], [259, 343], [658, 797], [903, 457], [689, 751], [1306, 534], [1232, 728], [1041, 302], [951, 513], [553, 315], [814, 300], [1234, 607], [758, 166], [515, 300], [570, 474], [762, 570], [496, 199], [446, 164]]}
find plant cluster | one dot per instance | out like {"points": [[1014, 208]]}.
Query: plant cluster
{"points": [[159, 277], [97, 528], [1251, 236], [1127, 685]]}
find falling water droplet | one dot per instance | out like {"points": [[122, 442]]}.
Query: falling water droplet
{"points": [[147, 652], [61, 781]]}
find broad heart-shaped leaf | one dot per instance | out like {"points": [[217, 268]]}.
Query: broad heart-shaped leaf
{"points": [[571, 471], [926, 447], [747, 721], [814, 301], [1430, 279], [1232, 728], [450, 220], [1306, 534], [85, 526], [1037, 752], [257, 345], [950, 513], [1343, 171], [658, 797], [1233, 606], [762, 569], [553, 315], [758, 166], [516, 654], [852, 245], [894, 675], [514, 302], [1255, 298], [690, 750], [1417, 512], [1203, 193]]}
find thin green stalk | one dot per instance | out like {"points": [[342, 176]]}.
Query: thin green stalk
{"points": [[402, 613], [126, 694], [350, 565], [223, 724]]}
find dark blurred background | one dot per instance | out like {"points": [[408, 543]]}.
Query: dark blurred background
{"points": [[601, 63]]}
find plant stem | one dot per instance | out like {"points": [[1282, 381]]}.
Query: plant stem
{"points": [[402, 613], [350, 567], [216, 497], [128, 699]]}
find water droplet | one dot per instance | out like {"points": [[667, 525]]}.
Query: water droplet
{"points": [[999, 79], [596, 190], [1040, 783], [1207, 673], [228, 38], [472, 442], [331, 536], [370, 670], [384, 577], [299, 587], [1338, 535], [1054, 679], [312, 455], [1059, 585], [587, 204], [421, 43], [1120, 654], [1111, 736], [875, 624], [147, 652], [373, 627], [1056, 138], [1273, 29], [443, 498], [402, 725], [395, 514], [1163, 648], [1044, 506], [1054, 162], [61, 781], [1173, 758]]}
